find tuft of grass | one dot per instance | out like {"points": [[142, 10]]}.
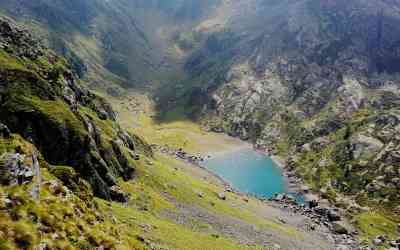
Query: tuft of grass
{"points": [[8, 62], [373, 223]]}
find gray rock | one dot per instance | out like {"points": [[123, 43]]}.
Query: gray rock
{"points": [[342, 247], [365, 146], [339, 227], [118, 195], [305, 188], [276, 247], [394, 243], [377, 242], [279, 197], [43, 246], [200, 194], [4, 131], [222, 196], [333, 215], [13, 170]]}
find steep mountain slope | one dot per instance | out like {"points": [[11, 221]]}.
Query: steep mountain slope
{"points": [[119, 41], [42, 100]]}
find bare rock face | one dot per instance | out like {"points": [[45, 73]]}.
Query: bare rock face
{"points": [[365, 147], [14, 170]]}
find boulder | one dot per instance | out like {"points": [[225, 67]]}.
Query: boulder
{"points": [[279, 197], [394, 243], [323, 211], [13, 170], [305, 188], [118, 195], [365, 146], [339, 227], [380, 238], [377, 242], [313, 204], [4, 131], [333, 215]]}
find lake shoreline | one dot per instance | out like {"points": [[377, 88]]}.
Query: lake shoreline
{"points": [[293, 183]]}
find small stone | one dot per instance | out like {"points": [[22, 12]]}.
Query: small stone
{"points": [[43, 246], [381, 237], [136, 157], [228, 189], [305, 188], [8, 202], [276, 247], [377, 242], [283, 221], [222, 196], [215, 236], [28, 174], [55, 236], [141, 238]]}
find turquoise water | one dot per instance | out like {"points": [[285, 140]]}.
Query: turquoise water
{"points": [[249, 171]]}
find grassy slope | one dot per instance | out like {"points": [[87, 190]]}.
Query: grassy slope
{"points": [[120, 226]]}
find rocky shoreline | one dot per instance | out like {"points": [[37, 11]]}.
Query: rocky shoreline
{"points": [[324, 219], [195, 160]]}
